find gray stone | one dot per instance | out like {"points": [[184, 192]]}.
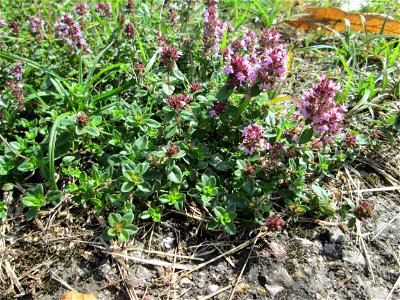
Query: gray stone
{"points": [[185, 282], [213, 288], [333, 250], [281, 277], [143, 274], [274, 290], [354, 257], [278, 250], [336, 235]]}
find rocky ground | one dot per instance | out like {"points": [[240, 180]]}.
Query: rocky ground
{"points": [[178, 260]]}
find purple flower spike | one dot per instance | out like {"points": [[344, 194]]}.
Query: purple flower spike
{"points": [[81, 8], [70, 32], [318, 105], [213, 31], [253, 139]]}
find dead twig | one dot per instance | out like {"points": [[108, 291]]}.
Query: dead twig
{"points": [[382, 189], [385, 226], [241, 272], [216, 293], [226, 257], [57, 278], [233, 250], [149, 261], [395, 287]]}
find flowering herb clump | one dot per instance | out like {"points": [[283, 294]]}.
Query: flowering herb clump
{"points": [[69, 30], [17, 71], [16, 88], [261, 61], [136, 127], [195, 87], [253, 139], [14, 27], [319, 106], [36, 24], [175, 102], [169, 55], [213, 31], [218, 108], [130, 29], [103, 9], [15, 85], [81, 9], [172, 150]]}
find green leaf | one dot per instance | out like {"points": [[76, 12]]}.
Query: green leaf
{"points": [[168, 89], [123, 236], [224, 93], [230, 228], [32, 213], [352, 222], [127, 186], [141, 143], [152, 123], [170, 131], [114, 218], [175, 174], [26, 167], [132, 229], [320, 192], [54, 197], [179, 205], [249, 186], [255, 90], [52, 147], [219, 212], [151, 62], [164, 198], [111, 232], [29, 201], [144, 215], [306, 136], [128, 217], [212, 225], [96, 121], [93, 131]]}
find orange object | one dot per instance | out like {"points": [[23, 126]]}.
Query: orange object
{"points": [[335, 18], [77, 296]]}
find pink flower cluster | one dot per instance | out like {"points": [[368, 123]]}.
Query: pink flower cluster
{"points": [[81, 9], [103, 9], [253, 139], [17, 71], [213, 31], [256, 60], [218, 108], [36, 24], [176, 102], [15, 86], [130, 30], [14, 27], [169, 55], [319, 106], [3, 22], [195, 87], [70, 31], [274, 223]]}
